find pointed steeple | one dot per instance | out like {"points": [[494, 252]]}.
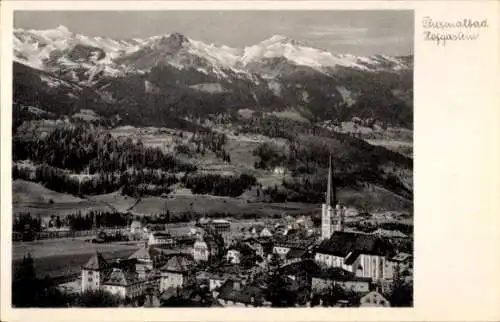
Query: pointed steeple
{"points": [[96, 262], [331, 197]]}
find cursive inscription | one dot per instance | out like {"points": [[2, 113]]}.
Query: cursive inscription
{"points": [[441, 32]]}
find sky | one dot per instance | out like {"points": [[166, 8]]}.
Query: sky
{"points": [[388, 32]]}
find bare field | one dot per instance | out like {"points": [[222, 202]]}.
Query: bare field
{"points": [[211, 204], [34, 198], [38, 200], [115, 201], [64, 257], [65, 246]]}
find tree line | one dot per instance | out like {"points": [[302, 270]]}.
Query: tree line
{"points": [[219, 185], [84, 148]]}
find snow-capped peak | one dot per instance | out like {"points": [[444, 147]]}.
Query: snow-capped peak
{"points": [[300, 54], [63, 29]]}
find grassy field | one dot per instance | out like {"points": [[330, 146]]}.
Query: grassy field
{"points": [[38, 200], [211, 204], [64, 257]]}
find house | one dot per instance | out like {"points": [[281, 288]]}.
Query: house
{"points": [[93, 272], [234, 293], [124, 283], [136, 227], [300, 271], [205, 248], [260, 231], [219, 275], [361, 254], [400, 262], [200, 251], [159, 238], [374, 298], [295, 255], [148, 259], [177, 272], [279, 170], [256, 246], [233, 256], [326, 278], [283, 247], [220, 226]]}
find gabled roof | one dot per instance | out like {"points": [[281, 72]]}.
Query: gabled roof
{"points": [[389, 233], [339, 274], [306, 266], [146, 253], [178, 263], [120, 277], [343, 243], [295, 253], [96, 262], [227, 291]]}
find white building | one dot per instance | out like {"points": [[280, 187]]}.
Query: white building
{"points": [[363, 255], [158, 238], [177, 272], [200, 250], [123, 283], [93, 273], [332, 214], [233, 256]]}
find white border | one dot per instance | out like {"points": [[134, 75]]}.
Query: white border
{"points": [[457, 176]]}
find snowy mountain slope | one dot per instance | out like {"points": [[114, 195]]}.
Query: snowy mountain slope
{"points": [[47, 49], [299, 54], [200, 79]]}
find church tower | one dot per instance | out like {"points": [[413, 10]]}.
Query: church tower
{"points": [[328, 208], [332, 214]]}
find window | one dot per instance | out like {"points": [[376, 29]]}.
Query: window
{"points": [[90, 279]]}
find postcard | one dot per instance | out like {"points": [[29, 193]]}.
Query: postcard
{"points": [[250, 161]]}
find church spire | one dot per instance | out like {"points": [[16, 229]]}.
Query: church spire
{"points": [[331, 197]]}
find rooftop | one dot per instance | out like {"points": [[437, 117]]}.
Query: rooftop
{"points": [[179, 263], [120, 277], [96, 262], [339, 274], [343, 243]]}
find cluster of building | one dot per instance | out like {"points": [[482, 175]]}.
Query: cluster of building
{"points": [[238, 271]]}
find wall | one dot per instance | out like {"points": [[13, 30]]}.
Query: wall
{"points": [[319, 284], [215, 283], [374, 299], [90, 280], [170, 279], [121, 291], [373, 266]]}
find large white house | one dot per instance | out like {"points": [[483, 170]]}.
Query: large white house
{"points": [[177, 272], [124, 283]]}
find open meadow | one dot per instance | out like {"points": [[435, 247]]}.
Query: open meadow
{"points": [[64, 257]]}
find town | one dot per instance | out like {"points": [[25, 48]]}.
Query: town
{"points": [[282, 263]]}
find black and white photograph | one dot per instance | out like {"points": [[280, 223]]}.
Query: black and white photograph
{"points": [[212, 159]]}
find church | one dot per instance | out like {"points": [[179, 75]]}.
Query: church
{"points": [[361, 254]]}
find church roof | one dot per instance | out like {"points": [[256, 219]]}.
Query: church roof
{"points": [[96, 262], [343, 243]]}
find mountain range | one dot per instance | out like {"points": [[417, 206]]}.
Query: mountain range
{"points": [[151, 81]]}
